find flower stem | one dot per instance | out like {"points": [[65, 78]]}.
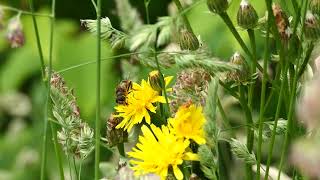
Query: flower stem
{"points": [[57, 150], [53, 130], [25, 12], [250, 137], [292, 95], [97, 121], [253, 65], [48, 105], [146, 6], [185, 19], [263, 95], [224, 117], [276, 118]]}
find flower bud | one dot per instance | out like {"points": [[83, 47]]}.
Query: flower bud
{"points": [[155, 81], [282, 22], [115, 136], [218, 6], [240, 74], [247, 16], [312, 27], [188, 41], [315, 6], [15, 34]]}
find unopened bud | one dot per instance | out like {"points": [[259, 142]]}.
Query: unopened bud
{"points": [[15, 33], [240, 74], [312, 27], [282, 22], [155, 81], [247, 16], [218, 6], [188, 41], [115, 136], [315, 6]]}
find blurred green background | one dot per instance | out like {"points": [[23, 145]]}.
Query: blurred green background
{"points": [[22, 93]]}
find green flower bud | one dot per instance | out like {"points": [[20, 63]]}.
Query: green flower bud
{"points": [[315, 6], [218, 6], [312, 27], [115, 136], [241, 74], [247, 16], [155, 82], [188, 41]]}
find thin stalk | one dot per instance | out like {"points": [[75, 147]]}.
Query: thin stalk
{"points": [[274, 130], [69, 163], [94, 5], [146, 6], [306, 60], [292, 99], [224, 117], [250, 134], [253, 65], [47, 106], [53, 129], [35, 25], [113, 57], [97, 121], [57, 150], [75, 167], [185, 19], [24, 12], [162, 82], [263, 96], [80, 168]]}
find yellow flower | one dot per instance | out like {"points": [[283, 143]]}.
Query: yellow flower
{"points": [[140, 100], [158, 150], [188, 123]]}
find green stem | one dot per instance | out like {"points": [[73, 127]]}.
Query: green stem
{"points": [[250, 134], [306, 60], [274, 130], [292, 99], [185, 19], [263, 95], [47, 107], [75, 167], [35, 26], [224, 117], [253, 65], [162, 82], [57, 150], [80, 168], [25, 12], [53, 130], [97, 121], [146, 5]]}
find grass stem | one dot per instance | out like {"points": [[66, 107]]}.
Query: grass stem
{"points": [[98, 89]]}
